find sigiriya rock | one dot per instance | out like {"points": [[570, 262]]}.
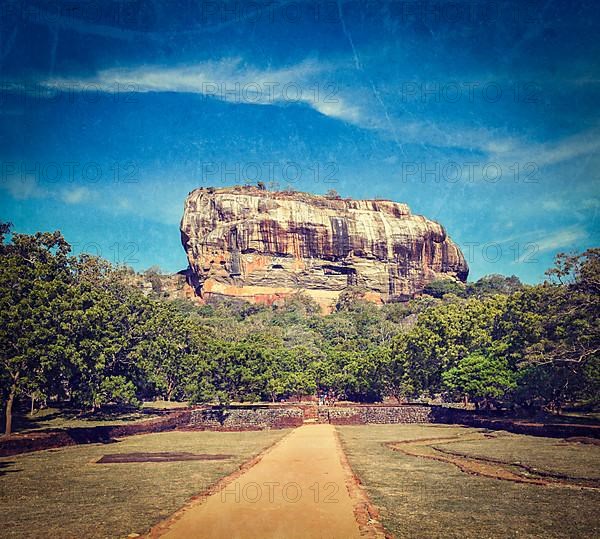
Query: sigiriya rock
{"points": [[261, 246]]}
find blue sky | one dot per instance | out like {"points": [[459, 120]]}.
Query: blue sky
{"points": [[481, 115]]}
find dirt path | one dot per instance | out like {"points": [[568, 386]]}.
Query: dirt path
{"points": [[299, 489]]}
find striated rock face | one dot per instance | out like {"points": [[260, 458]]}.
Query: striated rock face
{"points": [[261, 246]]}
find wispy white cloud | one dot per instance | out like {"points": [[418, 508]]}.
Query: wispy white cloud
{"points": [[77, 195], [496, 147], [554, 152], [552, 205], [340, 109], [566, 238], [231, 80], [544, 240], [318, 84], [590, 203], [24, 188], [28, 187]]}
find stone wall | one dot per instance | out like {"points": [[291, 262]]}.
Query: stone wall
{"points": [[255, 418], [364, 414], [359, 415], [282, 416]]}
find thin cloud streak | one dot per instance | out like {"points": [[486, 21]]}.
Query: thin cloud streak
{"points": [[315, 84], [229, 80], [565, 238]]}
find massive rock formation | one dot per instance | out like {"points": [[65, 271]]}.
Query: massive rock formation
{"points": [[261, 246]]}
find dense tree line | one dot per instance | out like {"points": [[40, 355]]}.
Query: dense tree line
{"points": [[79, 330]]}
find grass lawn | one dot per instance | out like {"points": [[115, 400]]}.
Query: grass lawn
{"points": [[56, 418], [583, 416], [64, 418], [423, 498], [544, 454], [64, 493], [164, 405]]}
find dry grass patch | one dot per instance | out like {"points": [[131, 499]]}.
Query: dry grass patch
{"points": [[545, 455], [64, 493], [420, 497]]}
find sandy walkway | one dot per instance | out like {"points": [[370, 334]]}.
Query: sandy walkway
{"points": [[298, 489]]}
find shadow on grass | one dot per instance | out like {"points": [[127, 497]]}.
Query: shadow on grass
{"points": [[4, 465], [50, 419], [92, 435], [23, 421]]}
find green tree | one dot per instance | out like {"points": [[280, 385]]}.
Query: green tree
{"points": [[494, 284], [442, 336], [103, 318], [440, 287], [350, 298], [396, 381], [559, 350], [481, 378], [34, 275], [166, 348], [153, 275]]}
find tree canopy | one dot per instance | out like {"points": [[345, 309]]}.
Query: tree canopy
{"points": [[79, 330]]}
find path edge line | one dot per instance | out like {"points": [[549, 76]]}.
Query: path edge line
{"points": [[198, 499], [366, 513]]}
